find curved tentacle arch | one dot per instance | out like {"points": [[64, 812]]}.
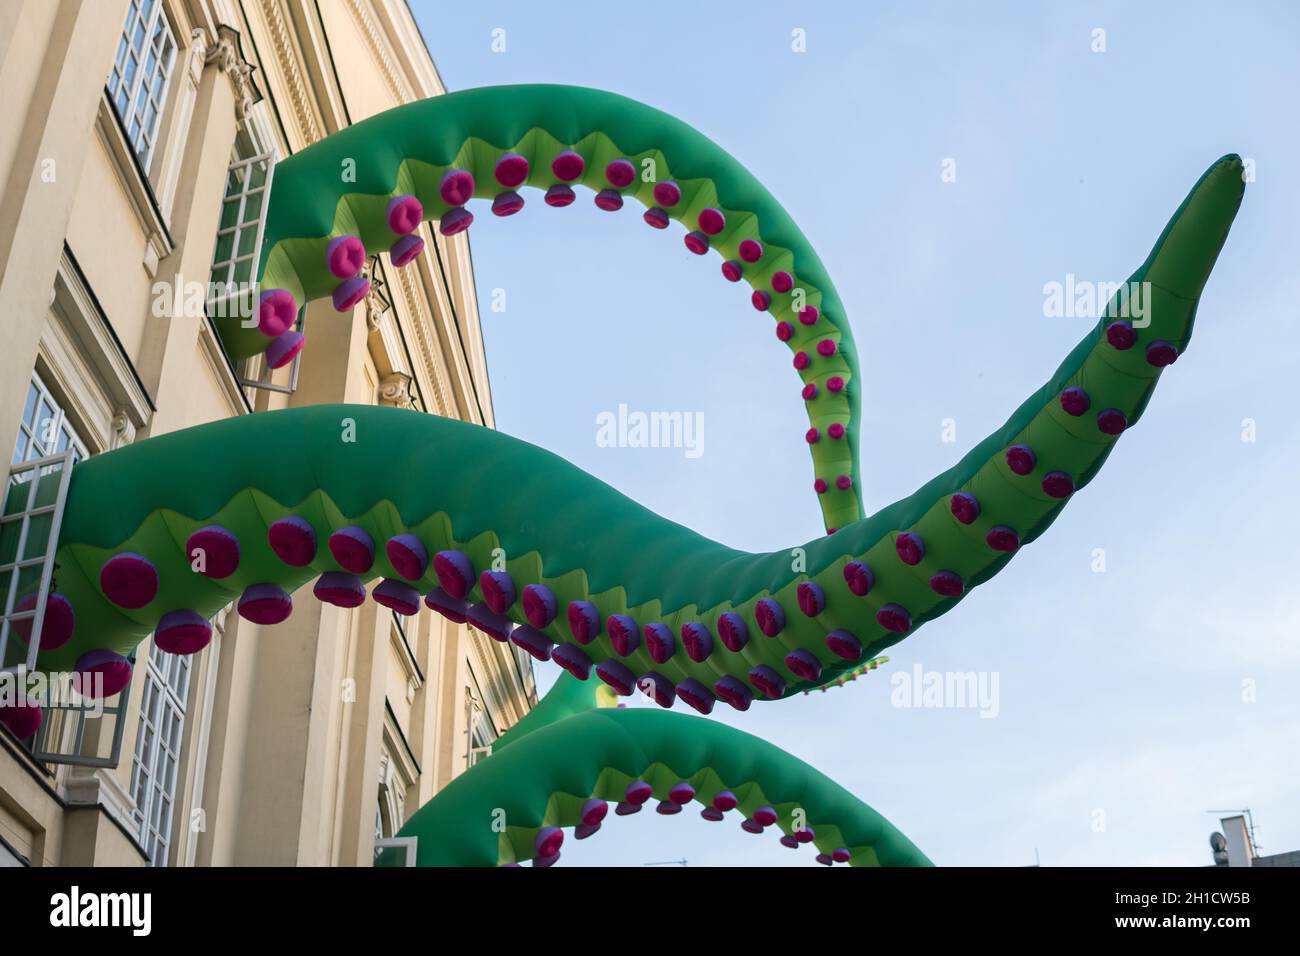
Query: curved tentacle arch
{"points": [[514, 806], [367, 188]]}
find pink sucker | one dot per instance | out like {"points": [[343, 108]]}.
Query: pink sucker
{"points": [[668, 808], [277, 310], [496, 626], [625, 809], [398, 596], [539, 605], [711, 814], [406, 250], [656, 217], [965, 507], [1111, 421], [584, 830], [841, 855], [609, 200], [340, 589], [101, 673], [844, 644], [511, 170], [811, 598], [455, 572], [782, 282], [835, 383], [455, 220], [801, 361], [624, 636], [618, 676], [770, 616], [761, 300], [733, 631], [667, 193], [1021, 459], [733, 691], [697, 242], [349, 293], [947, 584], [507, 204], [549, 840], [835, 430], [767, 682], [1002, 538], [910, 547], [843, 482], [894, 617], [573, 659], [408, 556], [784, 331], [808, 315], [453, 609], [826, 348], [1121, 335], [805, 835], [353, 548], [681, 792], [21, 714], [620, 173], [696, 695], [820, 486], [1075, 401], [129, 580], [284, 348], [499, 591], [789, 841], [764, 816], [812, 436], [809, 391], [60, 621], [859, 577], [344, 256], [725, 801], [657, 687], [293, 540], [732, 270], [1162, 353], [1057, 484], [219, 549], [660, 643], [804, 665], [584, 621], [182, 632], [536, 644], [751, 250], [824, 859], [638, 792], [559, 196], [265, 604], [749, 826], [456, 187], [404, 214], [697, 641], [568, 166], [593, 811], [711, 221]]}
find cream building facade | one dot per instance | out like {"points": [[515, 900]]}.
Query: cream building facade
{"points": [[137, 143]]}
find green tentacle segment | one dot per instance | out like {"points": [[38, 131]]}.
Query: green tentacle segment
{"points": [[549, 138], [589, 577], [512, 807]]}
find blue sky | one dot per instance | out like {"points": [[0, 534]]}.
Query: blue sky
{"points": [[1131, 702]]}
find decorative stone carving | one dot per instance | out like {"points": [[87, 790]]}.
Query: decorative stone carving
{"points": [[123, 429], [226, 56], [395, 390]]}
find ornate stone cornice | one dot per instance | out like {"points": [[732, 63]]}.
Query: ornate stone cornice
{"points": [[282, 46], [226, 55]]}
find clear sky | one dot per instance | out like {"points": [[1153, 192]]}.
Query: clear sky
{"points": [[1131, 701]]}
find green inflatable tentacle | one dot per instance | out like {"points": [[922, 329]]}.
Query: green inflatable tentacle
{"points": [[604, 580], [344, 187], [510, 808]]}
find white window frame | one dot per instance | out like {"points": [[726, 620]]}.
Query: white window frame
{"points": [[408, 844], [137, 90], [36, 460], [480, 732], [240, 170], [159, 747]]}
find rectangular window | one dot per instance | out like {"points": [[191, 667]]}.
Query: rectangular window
{"points": [[137, 84], [481, 732], [158, 750], [243, 219], [30, 514]]}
